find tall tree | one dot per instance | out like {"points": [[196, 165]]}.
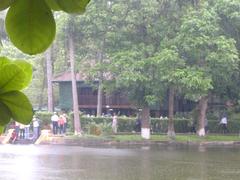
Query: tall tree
{"points": [[169, 69], [77, 125], [48, 58], [95, 31], [203, 47]]}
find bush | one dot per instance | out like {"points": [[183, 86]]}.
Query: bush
{"points": [[44, 117], [126, 124]]}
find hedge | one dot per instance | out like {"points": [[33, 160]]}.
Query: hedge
{"points": [[126, 124]]}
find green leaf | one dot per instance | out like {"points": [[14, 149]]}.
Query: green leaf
{"points": [[1, 129], [53, 5], [30, 25], [5, 114], [19, 105], [73, 6], [27, 69], [12, 78], [3, 61], [4, 4]]}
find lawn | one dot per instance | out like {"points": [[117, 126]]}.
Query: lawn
{"points": [[162, 137], [179, 138]]}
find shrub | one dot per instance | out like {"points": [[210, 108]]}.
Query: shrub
{"points": [[126, 124]]}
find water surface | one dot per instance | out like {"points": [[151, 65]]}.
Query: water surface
{"points": [[30, 162]]}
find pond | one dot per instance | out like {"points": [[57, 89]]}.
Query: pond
{"points": [[166, 162]]}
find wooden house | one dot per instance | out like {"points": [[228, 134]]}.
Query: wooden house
{"points": [[87, 96], [117, 101]]}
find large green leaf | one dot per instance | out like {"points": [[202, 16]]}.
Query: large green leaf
{"points": [[30, 25], [53, 5], [19, 105], [73, 6], [1, 129], [5, 114], [3, 61], [27, 69], [12, 78], [4, 4]]}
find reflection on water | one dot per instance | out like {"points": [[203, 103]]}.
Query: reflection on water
{"points": [[31, 162]]}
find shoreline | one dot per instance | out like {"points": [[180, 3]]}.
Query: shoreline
{"points": [[47, 138], [88, 142]]}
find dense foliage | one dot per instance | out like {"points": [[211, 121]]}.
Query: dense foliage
{"points": [[145, 48], [30, 25]]}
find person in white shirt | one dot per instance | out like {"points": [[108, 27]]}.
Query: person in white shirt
{"points": [[223, 124], [114, 123], [54, 120]]}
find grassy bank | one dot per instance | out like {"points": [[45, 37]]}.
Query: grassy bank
{"points": [[179, 138]]}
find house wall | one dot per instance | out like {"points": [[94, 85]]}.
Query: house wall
{"points": [[118, 102], [65, 95]]}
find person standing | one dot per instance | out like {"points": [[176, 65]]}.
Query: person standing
{"points": [[16, 128], [138, 124], [21, 131], [61, 121], [65, 123], [54, 120], [206, 125], [114, 123], [27, 128], [35, 128], [223, 124]]}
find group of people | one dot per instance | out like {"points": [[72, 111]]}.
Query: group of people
{"points": [[22, 131], [59, 123], [32, 131]]}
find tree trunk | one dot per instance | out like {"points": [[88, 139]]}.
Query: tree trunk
{"points": [[203, 104], [77, 124], [171, 131], [49, 79], [145, 125], [100, 88], [43, 84], [99, 99], [41, 94]]}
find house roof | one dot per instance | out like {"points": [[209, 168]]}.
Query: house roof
{"points": [[80, 77], [66, 77]]}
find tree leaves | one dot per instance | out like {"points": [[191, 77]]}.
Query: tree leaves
{"points": [[5, 114], [4, 4], [15, 75], [30, 26], [73, 6], [27, 69], [19, 105], [12, 78], [53, 5]]}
